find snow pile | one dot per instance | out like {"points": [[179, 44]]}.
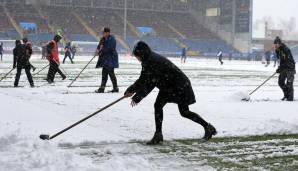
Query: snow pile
{"points": [[20, 153], [240, 95]]}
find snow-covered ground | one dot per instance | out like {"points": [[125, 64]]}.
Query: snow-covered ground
{"points": [[28, 112]]}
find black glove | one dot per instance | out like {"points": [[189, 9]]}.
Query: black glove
{"points": [[14, 66], [136, 99], [102, 41], [278, 70], [130, 89]]}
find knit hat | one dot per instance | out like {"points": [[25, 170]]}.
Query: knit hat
{"points": [[277, 40], [106, 29]]}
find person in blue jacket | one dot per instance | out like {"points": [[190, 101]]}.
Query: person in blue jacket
{"points": [[108, 60]]}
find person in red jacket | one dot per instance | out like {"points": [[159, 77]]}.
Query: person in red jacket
{"points": [[53, 57]]}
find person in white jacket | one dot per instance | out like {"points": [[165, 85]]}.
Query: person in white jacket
{"points": [[219, 55]]}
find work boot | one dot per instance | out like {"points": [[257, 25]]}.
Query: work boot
{"points": [[209, 132], [284, 98], [63, 77], [157, 139], [115, 90], [100, 90], [49, 81]]}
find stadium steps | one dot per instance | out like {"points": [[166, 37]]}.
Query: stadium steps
{"points": [[85, 25], [93, 33], [176, 31], [13, 22], [131, 27], [39, 11], [122, 42]]}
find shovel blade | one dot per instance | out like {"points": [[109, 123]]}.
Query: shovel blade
{"points": [[44, 137]]}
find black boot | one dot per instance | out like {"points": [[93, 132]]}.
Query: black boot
{"points": [[209, 132], [157, 139], [49, 80], [115, 90], [284, 98], [100, 90]]}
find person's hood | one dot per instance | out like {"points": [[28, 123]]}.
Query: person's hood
{"points": [[18, 42], [142, 50]]}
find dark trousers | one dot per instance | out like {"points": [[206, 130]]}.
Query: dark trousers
{"points": [[285, 82], [54, 68], [220, 60], [69, 56], [31, 66], [73, 55], [1, 55], [19, 71], [107, 71], [183, 109], [43, 56], [183, 58]]}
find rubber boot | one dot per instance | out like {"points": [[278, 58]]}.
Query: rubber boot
{"points": [[209, 132]]}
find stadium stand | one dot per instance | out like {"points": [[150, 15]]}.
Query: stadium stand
{"points": [[173, 28]]}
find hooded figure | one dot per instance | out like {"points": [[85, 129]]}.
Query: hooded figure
{"points": [[174, 87], [286, 69], [21, 61]]}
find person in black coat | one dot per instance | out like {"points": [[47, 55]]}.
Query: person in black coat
{"points": [[1, 50], [174, 87], [29, 51], [183, 55], [21, 61], [73, 50], [44, 52], [286, 69]]}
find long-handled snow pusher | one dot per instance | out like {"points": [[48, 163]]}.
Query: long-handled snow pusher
{"points": [[6, 74], [248, 98], [81, 71], [48, 137], [63, 71], [41, 70]]}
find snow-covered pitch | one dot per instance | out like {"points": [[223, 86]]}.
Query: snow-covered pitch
{"points": [[109, 141]]}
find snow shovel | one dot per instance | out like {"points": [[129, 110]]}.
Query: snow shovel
{"points": [[247, 98], [81, 72], [63, 71], [48, 137], [6, 74], [41, 70]]}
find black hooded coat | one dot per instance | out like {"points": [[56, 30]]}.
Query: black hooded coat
{"points": [[158, 71]]}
